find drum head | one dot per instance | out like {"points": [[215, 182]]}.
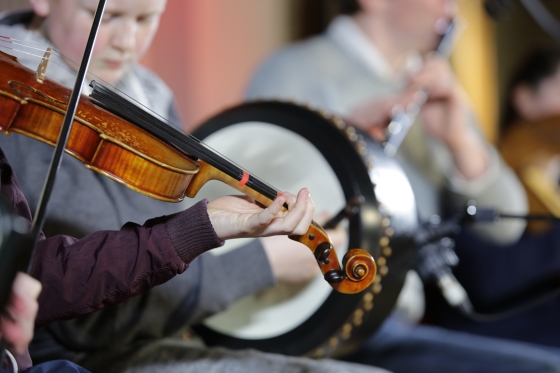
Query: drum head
{"points": [[291, 147]]}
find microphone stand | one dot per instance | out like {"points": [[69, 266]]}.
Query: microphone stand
{"points": [[436, 256], [24, 252]]}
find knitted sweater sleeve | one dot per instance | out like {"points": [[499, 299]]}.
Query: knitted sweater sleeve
{"points": [[107, 267]]}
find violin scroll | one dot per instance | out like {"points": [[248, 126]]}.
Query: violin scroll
{"points": [[358, 266]]}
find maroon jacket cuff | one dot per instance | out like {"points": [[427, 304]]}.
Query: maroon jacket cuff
{"points": [[200, 235]]}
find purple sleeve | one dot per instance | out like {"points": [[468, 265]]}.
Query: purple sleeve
{"points": [[107, 267]]}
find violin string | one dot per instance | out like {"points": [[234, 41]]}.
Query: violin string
{"points": [[26, 43], [23, 44], [208, 150], [22, 51], [51, 61], [204, 149], [40, 47], [133, 111], [186, 143], [172, 136]]}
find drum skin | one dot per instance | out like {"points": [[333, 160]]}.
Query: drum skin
{"points": [[383, 228]]}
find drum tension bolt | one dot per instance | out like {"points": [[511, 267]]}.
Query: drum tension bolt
{"points": [[322, 252], [352, 208]]}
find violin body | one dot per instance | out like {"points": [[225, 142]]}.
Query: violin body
{"points": [[103, 141]]}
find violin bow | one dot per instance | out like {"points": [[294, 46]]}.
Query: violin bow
{"points": [[56, 161], [28, 250]]}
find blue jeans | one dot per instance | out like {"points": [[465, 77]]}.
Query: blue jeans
{"points": [[402, 348]]}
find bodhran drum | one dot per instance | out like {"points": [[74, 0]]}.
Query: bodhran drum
{"points": [[291, 147]]}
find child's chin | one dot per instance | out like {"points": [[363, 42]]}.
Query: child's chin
{"points": [[111, 75]]}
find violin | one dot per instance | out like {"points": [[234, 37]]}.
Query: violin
{"points": [[114, 137]]}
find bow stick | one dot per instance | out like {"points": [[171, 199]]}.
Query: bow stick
{"points": [[25, 257]]}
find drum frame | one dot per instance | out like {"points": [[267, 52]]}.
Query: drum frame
{"points": [[343, 321]]}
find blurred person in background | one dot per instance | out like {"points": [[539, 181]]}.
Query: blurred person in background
{"points": [[368, 61], [530, 141], [530, 144]]}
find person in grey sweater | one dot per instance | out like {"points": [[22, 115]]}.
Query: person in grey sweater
{"points": [[145, 332], [365, 64]]}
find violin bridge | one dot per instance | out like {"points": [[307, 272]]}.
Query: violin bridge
{"points": [[42, 68]]}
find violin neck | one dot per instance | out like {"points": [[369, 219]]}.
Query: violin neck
{"points": [[189, 146], [208, 172]]}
